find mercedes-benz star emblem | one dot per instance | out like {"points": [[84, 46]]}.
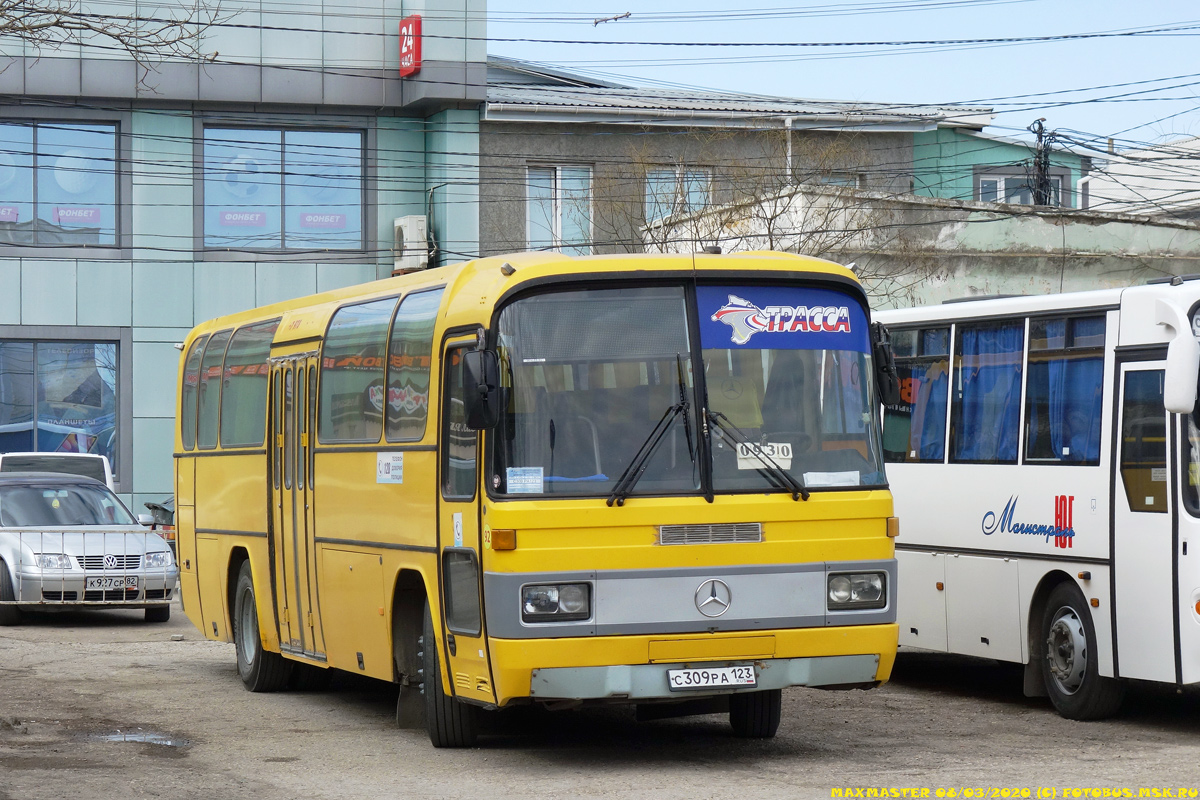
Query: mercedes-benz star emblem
{"points": [[713, 598]]}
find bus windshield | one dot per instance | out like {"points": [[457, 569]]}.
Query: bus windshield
{"points": [[596, 377]]}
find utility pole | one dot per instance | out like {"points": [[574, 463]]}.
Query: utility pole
{"points": [[1042, 188]]}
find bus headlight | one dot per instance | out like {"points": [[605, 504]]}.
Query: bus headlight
{"points": [[851, 590], [558, 602]]}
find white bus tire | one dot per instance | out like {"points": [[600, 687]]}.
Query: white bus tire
{"points": [[756, 715], [260, 671], [449, 722], [1069, 659], [9, 614]]}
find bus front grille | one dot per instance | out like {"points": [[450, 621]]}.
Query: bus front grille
{"points": [[724, 533]]}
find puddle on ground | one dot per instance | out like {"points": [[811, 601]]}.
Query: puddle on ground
{"points": [[140, 736]]}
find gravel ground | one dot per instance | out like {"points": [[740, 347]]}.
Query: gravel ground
{"points": [[104, 705]]}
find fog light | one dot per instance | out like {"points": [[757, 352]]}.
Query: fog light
{"points": [[556, 602], [856, 590]]}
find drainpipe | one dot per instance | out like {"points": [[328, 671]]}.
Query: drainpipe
{"points": [[787, 124]]}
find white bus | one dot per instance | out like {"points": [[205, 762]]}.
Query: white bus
{"points": [[1045, 463]]}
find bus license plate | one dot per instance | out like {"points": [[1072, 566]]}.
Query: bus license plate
{"points": [[711, 678], [112, 583]]}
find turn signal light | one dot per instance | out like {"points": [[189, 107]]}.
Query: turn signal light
{"points": [[893, 527], [1095, 602], [940, 586], [504, 539]]}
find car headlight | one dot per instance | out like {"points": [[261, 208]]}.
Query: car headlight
{"points": [[558, 602], [852, 590], [58, 561], [159, 558]]}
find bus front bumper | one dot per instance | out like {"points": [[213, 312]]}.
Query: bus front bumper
{"points": [[635, 668]]}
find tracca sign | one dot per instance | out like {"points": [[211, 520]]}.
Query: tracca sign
{"points": [[410, 45]]}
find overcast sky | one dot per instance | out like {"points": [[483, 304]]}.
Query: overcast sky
{"points": [[988, 74]]}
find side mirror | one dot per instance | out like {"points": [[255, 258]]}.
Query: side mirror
{"points": [[481, 389], [1183, 360], [145, 519], [886, 376]]}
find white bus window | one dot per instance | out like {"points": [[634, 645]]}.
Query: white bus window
{"points": [[1191, 467], [352, 391], [1144, 442], [985, 412], [1064, 391], [915, 430]]}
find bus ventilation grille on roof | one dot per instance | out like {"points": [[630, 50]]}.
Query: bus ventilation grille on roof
{"points": [[728, 533]]}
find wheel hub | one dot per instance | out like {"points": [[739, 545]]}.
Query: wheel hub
{"points": [[1066, 651], [248, 629]]}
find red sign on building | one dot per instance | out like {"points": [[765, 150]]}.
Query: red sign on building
{"points": [[410, 45]]}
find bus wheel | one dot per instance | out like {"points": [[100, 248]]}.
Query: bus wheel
{"points": [[1069, 659], [259, 670], [755, 715], [450, 723], [9, 614]]}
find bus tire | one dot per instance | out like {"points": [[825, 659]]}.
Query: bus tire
{"points": [[1070, 666], [756, 715], [449, 722], [9, 614], [260, 671], [158, 614]]}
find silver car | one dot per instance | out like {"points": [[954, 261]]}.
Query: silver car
{"points": [[68, 542]]}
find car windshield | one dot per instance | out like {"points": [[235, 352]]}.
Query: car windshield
{"points": [[599, 379], [37, 506]]}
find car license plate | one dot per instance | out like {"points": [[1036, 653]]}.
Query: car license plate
{"points": [[711, 678], [111, 583]]}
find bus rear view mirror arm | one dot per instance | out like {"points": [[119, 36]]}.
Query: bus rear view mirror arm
{"points": [[1183, 359], [886, 377], [481, 389]]}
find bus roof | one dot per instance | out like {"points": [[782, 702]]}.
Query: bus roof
{"points": [[482, 283]]}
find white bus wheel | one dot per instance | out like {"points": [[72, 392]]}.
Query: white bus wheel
{"points": [[1070, 659]]}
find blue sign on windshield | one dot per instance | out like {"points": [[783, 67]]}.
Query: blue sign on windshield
{"points": [[781, 318]]}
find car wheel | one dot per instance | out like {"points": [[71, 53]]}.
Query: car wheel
{"points": [[158, 614], [260, 670], [9, 614], [449, 722], [755, 715], [1069, 659]]}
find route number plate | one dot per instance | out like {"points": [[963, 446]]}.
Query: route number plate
{"points": [[681, 680]]}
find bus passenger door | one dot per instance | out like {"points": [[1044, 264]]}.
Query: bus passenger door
{"points": [[464, 646], [291, 467], [1142, 545], [1187, 545]]}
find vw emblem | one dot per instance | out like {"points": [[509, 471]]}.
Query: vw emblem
{"points": [[110, 561], [713, 598]]}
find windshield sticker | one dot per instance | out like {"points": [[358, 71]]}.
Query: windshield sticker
{"points": [[524, 480], [781, 317], [815, 479], [759, 456]]}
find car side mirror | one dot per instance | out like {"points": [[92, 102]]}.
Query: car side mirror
{"points": [[481, 389], [886, 376], [145, 519]]}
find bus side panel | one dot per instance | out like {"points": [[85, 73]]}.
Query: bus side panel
{"points": [[1035, 573], [185, 538], [231, 491], [352, 583], [921, 583], [209, 581], [983, 593]]}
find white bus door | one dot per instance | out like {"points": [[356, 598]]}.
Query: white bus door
{"points": [[1187, 545], [1143, 549]]}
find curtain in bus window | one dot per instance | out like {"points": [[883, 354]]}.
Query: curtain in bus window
{"points": [[986, 412], [1063, 407]]}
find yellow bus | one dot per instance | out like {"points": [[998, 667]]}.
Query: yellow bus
{"points": [[654, 480]]}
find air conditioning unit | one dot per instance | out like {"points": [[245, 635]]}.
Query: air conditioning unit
{"points": [[410, 247]]}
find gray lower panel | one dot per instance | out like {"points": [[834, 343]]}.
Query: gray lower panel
{"points": [[649, 681]]}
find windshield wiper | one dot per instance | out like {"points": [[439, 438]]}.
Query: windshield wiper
{"points": [[770, 468], [633, 473]]}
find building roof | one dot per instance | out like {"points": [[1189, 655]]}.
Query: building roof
{"points": [[523, 91]]}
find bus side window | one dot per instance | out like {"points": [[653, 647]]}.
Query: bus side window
{"points": [[410, 353], [458, 441], [1191, 465], [190, 393], [1144, 441], [244, 393], [352, 389], [915, 431], [210, 390], [1064, 390], [986, 403]]}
